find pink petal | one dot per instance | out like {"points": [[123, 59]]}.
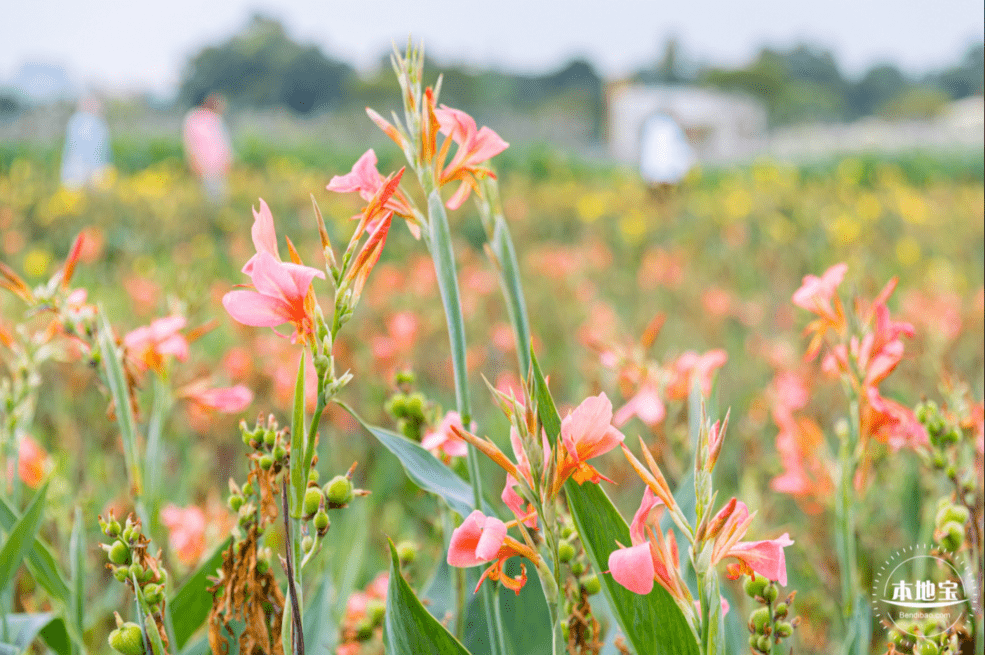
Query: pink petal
{"points": [[255, 309], [764, 557], [228, 399], [487, 145], [633, 568], [493, 535], [460, 196], [637, 529]]}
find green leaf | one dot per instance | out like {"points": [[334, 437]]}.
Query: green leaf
{"points": [[190, 605], [24, 629], [653, 624], [409, 629], [56, 636], [20, 541], [147, 622], [526, 621], [444, 267], [40, 562], [77, 565], [299, 477], [116, 381], [424, 469], [509, 279]]}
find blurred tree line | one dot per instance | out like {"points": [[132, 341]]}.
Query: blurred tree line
{"points": [[263, 66]]}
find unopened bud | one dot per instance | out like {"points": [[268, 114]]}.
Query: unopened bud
{"points": [[764, 645], [926, 647], [577, 567], [313, 475], [339, 491], [949, 513], [781, 610]]}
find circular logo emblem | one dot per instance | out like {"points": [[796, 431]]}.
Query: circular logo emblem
{"points": [[920, 591]]}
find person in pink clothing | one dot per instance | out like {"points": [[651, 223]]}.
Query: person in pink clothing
{"points": [[207, 146]]}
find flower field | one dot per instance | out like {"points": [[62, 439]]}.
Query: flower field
{"points": [[831, 316]]}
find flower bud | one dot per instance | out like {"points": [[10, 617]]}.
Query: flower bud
{"points": [[321, 522], [405, 377], [406, 552], [312, 501], [339, 491], [235, 502], [568, 532], [759, 620], [952, 536], [307, 543], [128, 639], [755, 585], [137, 571], [591, 584], [364, 631], [119, 553], [112, 528], [565, 552]]}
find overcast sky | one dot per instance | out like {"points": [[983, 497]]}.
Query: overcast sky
{"points": [[144, 43]]}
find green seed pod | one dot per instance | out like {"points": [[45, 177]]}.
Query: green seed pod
{"points": [[565, 551], [759, 620], [755, 585], [375, 611], [128, 639], [397, 405], [153, 594], [307, 543], [405, 377], [926, 647], [269, 438], [121, 574], [770, 593], [406, 552], [938, 461], [364, 631], [781, 610], [952, 536], [263, 565], [266, 462], [113, 529], [764, 645], [754, 642], [119, 553], [410, 429], [279, 453], [313, 475], [567, 532], [235, 502], [592, 584], [137, 571], [415, 406], [339, 491], [949, 513], [248, 489], [312, 501], [784, 629], [577, 567], [321, 522]]}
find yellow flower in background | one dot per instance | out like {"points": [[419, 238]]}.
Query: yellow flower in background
{"points": [[590, 207], [36, 262], [908, 251], [633, 226]]}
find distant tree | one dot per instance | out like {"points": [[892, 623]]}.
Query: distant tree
{"points": [[966, 78], [878, 86], [263, 67]]}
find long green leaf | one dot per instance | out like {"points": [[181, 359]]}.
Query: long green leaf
{"points": [[299, 477], [444, 266], [653, 624], [190, 605], [424, 469], [20, 541], [116, 381], [409, 628], [77, 566], [40, 562], [24, 629], [509, 278]]}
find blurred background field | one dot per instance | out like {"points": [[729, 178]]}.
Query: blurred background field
{"points": [[882, 170]]}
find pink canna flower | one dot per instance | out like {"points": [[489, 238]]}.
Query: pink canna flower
{"points": [[442, 441], [481, 539], [691, 367], [587, 432], [652, 557], [32, 463], [280, 296], [816, 293], [148, 346], [264, 236], [228, 400], [764, 557], [475, 146], [646, 405], [366, 180], [891, 423], [187, 532]]}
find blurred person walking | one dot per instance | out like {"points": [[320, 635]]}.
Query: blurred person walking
{"points": [[86, 155], [207, 146], [665, 154]]}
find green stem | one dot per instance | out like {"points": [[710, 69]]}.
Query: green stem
{"points": [[845, 524]]}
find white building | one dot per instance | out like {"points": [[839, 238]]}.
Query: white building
{"points": [[719, 126]]}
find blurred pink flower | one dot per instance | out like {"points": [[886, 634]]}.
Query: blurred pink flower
{"points": [[187, 532], [32, 462], [147, 346], [815, 293], [442, 441], [690, 368], [228, 400], [646, 405], [891, 423]]}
